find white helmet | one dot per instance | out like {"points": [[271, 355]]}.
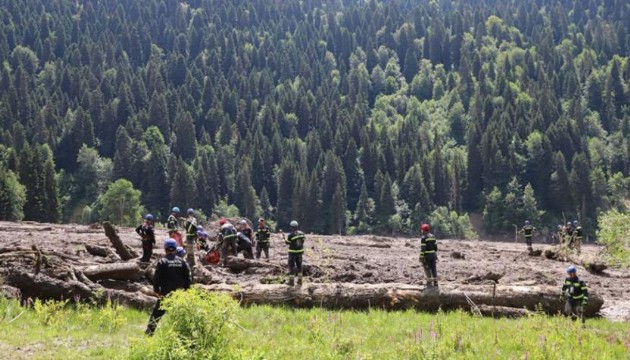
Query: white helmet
{"points": [[243, 222], [294, 224]]}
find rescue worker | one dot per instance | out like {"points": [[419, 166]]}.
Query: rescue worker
{"points": [[202, 240], [428, 255], [568, 235], [528, 232], [262, 239], [246, 230], [148, 237], [172, 224], [295, 240], [171, 273], [575, 292], [244, 244], [227, 236], [191, 235], [577, 237]]}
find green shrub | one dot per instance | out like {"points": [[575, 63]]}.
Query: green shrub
{"points": [[196, 326], [50, 313], [614, 234], [445, 223]]}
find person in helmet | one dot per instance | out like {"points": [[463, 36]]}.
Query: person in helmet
{"points": [[263, 233], [244, 244], [227, 237], [148, 237], [575, 291], [180, 252], [171, 273], [577, 237], [295, 240], [528, 232], [172, 224], [428, 255], [191, 235], [202, 239]]}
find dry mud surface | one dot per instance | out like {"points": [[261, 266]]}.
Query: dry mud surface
{"points": [[353, 259]]}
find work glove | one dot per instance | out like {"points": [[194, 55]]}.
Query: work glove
{"points": [[421, 259]]}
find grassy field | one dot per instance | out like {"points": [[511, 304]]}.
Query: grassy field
{"points": [[58, 332]]}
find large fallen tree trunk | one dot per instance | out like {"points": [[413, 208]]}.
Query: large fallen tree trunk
{"points": [[590, 264], [122, 250], [115, 271], [401, 296]]}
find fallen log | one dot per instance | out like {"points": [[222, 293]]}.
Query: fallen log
{"points": [[393, 296], [237, 264], [498, 312], [591, 265], [115, 271], [101, 251], [121, 249]]}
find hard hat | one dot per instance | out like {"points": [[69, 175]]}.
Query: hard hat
{"points": [[526, 222], [261, 219], [294, 224], [199, 228], [190, 211], [180, 251], [170, 244], [148, 217], [222, 221], [575, 222], [569, 223], [202, 234], [175, 209], [571, 269], [243, 222], [424, 227]]}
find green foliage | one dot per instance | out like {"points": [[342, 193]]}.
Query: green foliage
{"points": [[120, 203], [196, 326], [449, 224], [226, 210], [12, 196], [614, 234], [50, 313]]}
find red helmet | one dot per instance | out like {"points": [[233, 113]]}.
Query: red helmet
{"points": [[424, 227], [222, 221]]}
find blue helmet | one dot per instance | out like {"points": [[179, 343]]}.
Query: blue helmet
{"points": [[175, 209], [170, 244], [202, 234], [571, 270], [148, 217], [180, 251], [190, 211]]}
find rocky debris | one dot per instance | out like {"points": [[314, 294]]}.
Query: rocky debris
{"points": [[458, 255]]}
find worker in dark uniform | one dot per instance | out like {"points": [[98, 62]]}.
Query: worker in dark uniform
{"points": [[227, 236], [148, 237], [171, 273], [295, 240], [528, 232], [568, 235], [428, 255], [262, 239], [244, 244], [172, 224], [575, 292], [577, 236], [191, 235]]}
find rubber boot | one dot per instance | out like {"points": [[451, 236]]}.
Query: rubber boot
{"points": [[291, 280], [300, 279]]}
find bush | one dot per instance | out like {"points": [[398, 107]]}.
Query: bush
{"points": [[614, 234], [445, 223], [196, 326]]}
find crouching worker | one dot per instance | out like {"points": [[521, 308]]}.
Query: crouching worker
{"points": [[295, 240], [576, 293], [171, 273]]}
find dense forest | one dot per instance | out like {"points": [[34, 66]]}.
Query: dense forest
{"points": [[350, 116]]}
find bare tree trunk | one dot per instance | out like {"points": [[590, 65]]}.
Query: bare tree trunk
{"points": [[120, 247], [115, 271], [401, 296]]}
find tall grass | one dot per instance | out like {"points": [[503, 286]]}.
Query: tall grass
{"points": [[214, 327]]}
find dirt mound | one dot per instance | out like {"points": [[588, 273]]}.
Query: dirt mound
{"points": [[65, 252]]}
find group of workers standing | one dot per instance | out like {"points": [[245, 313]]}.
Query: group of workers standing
{"points": [[173, 272], [569, 236]]}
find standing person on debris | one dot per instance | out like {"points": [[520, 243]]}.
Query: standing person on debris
{"points": [[148, 237], [577, 237], [172, 224], [295, 240], [568, 235], [244, 244], [428, 255], [191, 235], [171, 273], [262, 239], [227, 236], [528, 232], [575, 292]]}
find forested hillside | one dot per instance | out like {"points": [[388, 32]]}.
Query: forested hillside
{"points": [[347, 115]]}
